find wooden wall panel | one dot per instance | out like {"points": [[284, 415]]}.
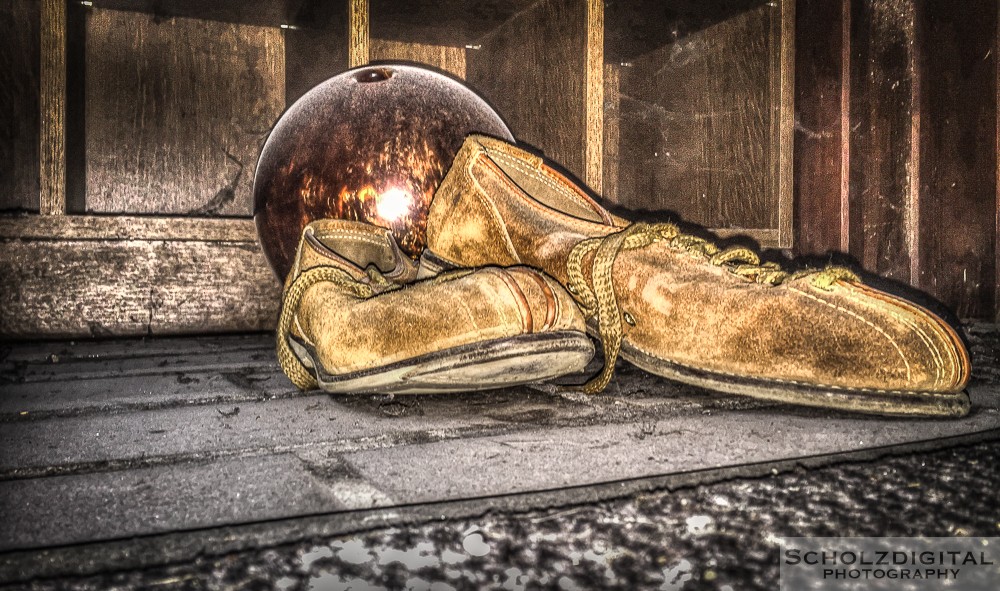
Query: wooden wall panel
{"points": [[957, 206], [696, 122], [533, 70], [612, 131], [177, 110], [453, 23], [882, 135], [442, 57], [917, 135], [317, 48], [821, 87], [78, 288], [19, 104]]}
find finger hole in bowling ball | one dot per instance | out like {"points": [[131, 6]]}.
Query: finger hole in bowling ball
{"points": [[373, 75]]}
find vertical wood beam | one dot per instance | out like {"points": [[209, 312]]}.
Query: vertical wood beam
{"points": [[822, 124], [881, 114], [594, 102], [785, 115], [358, 53], [52, 99], [955, 196], [845, 126]]}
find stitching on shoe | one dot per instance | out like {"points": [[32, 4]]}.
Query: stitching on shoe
{"points": [[926, 340], [582, 225], [494, 216], [546, 179], [359, 236], [798, 382], [954, 354], [862, 319]]}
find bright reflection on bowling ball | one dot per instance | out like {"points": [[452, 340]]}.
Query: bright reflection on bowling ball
{"points": [[370, 144]]}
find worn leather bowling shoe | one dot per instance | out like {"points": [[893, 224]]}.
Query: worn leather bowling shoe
{"points": [[678, 306], [351, 321]]}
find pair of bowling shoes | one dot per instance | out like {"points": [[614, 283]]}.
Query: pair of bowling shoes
{"points": [[521, 265]]}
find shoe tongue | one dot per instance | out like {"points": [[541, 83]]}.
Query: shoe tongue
{"points": [[353, 247]]}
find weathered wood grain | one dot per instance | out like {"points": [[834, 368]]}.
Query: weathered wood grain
{"points": [[52, 151], [443, 57], [127, 228], [782, 77], [699, 134], [177, 108], [594, 104], [533, 69], [612, 131], [359, 33], [882, 142], [316, 50], [957, 208], [72, 288], [453, 23], [820, 146], [271, 13], [19, 104]]}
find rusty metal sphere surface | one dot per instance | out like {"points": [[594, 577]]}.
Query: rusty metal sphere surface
{"points": [[370, 144]]}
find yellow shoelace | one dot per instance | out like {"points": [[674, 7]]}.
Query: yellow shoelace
{"points": [[600, 299]]}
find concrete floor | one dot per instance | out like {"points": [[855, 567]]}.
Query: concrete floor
{"points": [[119, 459]]}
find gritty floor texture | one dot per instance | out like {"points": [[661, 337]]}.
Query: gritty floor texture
{"points": [[191, 464], [720, 537]]}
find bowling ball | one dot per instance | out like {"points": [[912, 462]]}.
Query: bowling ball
{"points": [[370, 144]]}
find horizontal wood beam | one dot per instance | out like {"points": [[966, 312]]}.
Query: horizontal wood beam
{"points": [[91, 227]]}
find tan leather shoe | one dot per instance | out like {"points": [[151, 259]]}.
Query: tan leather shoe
{"points": [[680, 307], [348, 324]]}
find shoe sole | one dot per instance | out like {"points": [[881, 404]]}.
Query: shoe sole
{"points": [[883, 402], [497, 363]]}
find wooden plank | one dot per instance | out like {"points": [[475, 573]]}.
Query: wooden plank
{"points": [[358, 50], [183, 117], [783, 119], [57, 369], [442, 57], [20, 49], [819, 143], [593, 158], [453, 23], [881, 142], [958, 158], [533, 69], [32, 355], [161, 499], [271, 13], [314, 54], [700, 128], [52, 150], [83, 227], [612, 131], [71, 288]]}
